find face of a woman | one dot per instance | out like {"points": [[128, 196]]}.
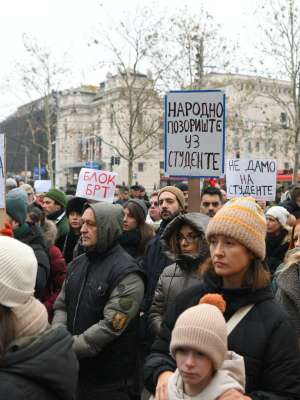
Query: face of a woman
{"points": [[129, 222], [230, 259], [188, 240], [273, 226], [296, 236]]}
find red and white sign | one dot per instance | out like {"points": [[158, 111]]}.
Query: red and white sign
{"points": [[94, 184]]}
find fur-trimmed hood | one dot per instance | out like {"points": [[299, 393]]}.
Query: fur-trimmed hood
{"points": [[50, 232], [196, 221]]}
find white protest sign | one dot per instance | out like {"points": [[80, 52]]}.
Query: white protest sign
{"points": [[94, 184], [2, 170], [42, 186], [195, 133], [251, 177]]}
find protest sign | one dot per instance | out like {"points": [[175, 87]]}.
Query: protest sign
{"points": [[251, 177], [195, 133], [42, 186], [94, 184]]}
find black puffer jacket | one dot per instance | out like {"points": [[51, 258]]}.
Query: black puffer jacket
{"points": [[276, 248], [265, 337], [182, 273], [32, 235], [40, 368]]}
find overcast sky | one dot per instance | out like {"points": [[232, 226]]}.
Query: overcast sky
{"points": [[66, 26]]}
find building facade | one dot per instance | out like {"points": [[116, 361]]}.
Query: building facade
{"points": [[110, 127], [118, 126]]}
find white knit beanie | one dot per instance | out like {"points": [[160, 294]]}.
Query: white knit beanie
{"points": [[202, 328], [279, 213], [18, 269]]}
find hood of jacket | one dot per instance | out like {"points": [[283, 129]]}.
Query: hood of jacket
{"points": [[109, 219], [47, 359], [288, 280], [198, 222], [50, 232], [231, 375], [33, 235]]}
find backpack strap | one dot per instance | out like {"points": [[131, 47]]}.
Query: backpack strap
{"points": [[237, 317]]}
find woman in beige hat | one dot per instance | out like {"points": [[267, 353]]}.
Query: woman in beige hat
{"points": [[262, 333]]}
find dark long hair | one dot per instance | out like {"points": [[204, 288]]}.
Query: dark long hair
{"points": [[146, 231], [7, 328]]}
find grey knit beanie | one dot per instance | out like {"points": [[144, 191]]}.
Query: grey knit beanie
{"points": [[139, 203], [18, 269]]}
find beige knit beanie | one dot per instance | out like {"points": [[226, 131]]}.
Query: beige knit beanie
{"points": [[18, 269], [177, 192], [31, 318], [243, 220], [202, 328]]}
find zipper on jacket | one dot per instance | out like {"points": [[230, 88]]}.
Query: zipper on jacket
{"points": [[77, 305]]}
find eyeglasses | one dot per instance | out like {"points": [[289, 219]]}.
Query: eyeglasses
{"points": [[213, 203], [189, 238]]}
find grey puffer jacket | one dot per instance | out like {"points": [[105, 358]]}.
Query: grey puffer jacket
{"points": [[288, 293], [175, 278]]}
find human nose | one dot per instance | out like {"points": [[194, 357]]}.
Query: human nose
{"points": [[83, 227], [218, 249], [189, 361]]}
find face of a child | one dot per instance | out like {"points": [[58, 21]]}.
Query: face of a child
{"points": [[195, 368]]}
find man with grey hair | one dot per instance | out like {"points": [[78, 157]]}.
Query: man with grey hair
{"points": [[99, 304]]}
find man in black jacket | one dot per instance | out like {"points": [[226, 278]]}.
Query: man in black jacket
{"points": [[99, 305]]}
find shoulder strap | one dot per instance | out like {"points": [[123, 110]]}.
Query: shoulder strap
{"points": [[237, 317]]}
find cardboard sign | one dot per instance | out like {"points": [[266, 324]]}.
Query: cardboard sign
{"points": [[251, 177], [195, 133], [2, 170], [94, 184], [42, 186]]}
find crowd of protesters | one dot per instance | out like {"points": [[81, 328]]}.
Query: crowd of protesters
{"points": [[144, 299]]}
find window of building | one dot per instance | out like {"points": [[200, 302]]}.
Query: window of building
{"points": [[249, 147], [286, 166], [284, 120], [257, 146], [161, 164], [286, 148], [140, 121], [162, 141], [141, 166], [111, 116]]}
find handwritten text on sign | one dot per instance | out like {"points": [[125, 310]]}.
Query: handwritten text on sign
{"points": [[251, 177], [195, 133], [96, 185]]}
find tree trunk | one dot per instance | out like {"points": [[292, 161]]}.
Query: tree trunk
{"points": [[130, 171], [296, 165], [296, 161]]}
